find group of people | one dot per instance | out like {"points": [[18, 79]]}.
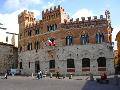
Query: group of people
{"points": [[40, 74]]}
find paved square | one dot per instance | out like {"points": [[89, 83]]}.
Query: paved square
{"points": [[28, 83]]}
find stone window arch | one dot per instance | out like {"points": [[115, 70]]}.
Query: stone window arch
{"points": [[99, 37], [84, 39], [85, 64], [37, 45], [70, 65], [101, 63], [69, 40]]}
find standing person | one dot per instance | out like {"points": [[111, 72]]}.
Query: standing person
{"points": [[6, 75], [57, 73], [45, 73], [40, 74]]}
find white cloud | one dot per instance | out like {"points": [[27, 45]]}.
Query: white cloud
{"points": [[16, 4], [50, 4], [59, 1], [53, 3], [82, 13], [10, 21]]}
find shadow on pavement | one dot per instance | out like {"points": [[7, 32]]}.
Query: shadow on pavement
{"points": [[94, 85]]}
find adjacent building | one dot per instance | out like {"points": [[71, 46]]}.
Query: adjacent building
{"points": [[118, 52], [8, 57], [57, 43]]}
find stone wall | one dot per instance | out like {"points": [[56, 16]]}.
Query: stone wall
{"points": [[61, 54], [8, 57]]}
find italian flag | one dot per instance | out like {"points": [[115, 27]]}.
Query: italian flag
{"points": [[51, 42]]}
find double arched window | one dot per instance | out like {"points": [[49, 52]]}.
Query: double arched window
{"points": [[37, 31], [37, 45], [99, 37], [84, 39], [29, 46], [52, 27], [69, 40]]}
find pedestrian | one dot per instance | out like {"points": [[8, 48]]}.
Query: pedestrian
{"points": [[38, 77], [57, 74], [5, 76], [91, 77], [51, 74], [40, 74], [45, 73]]}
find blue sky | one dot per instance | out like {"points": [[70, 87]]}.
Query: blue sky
{"points": [[9, 9]]}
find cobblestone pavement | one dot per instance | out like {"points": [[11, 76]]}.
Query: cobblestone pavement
{"points": [[77, 83]]}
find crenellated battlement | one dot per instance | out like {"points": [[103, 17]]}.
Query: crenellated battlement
{"points": [[26, 15], [52, 12], [90, 21]]}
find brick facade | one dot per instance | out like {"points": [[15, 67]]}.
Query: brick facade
{"points": [[118, 45], [57, 24]]}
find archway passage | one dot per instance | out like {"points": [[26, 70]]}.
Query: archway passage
{"points": [[37, 66], [101, 64], [21, 65], [85, 64], [70, 65]]}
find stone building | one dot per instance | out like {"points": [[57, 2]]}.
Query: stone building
{"points": [[118, 43], [80, 46], [116, 57], [118, 51], [8, 57]]}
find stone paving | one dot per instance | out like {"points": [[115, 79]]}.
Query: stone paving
{"points": [[77, 83]]}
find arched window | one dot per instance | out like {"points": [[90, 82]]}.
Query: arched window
{"points": [[70, 65], [29, 32], [37, 45], [85, 64], [99, 38], [101, 62], [29, 46], [84, 39], [55, 26], [37, 31], [69, 40]]}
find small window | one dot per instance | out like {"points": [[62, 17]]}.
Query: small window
{"points": [[52, 64], [29, 64]]}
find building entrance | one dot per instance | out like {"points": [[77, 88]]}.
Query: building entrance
{"points": [[37, 66]]}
